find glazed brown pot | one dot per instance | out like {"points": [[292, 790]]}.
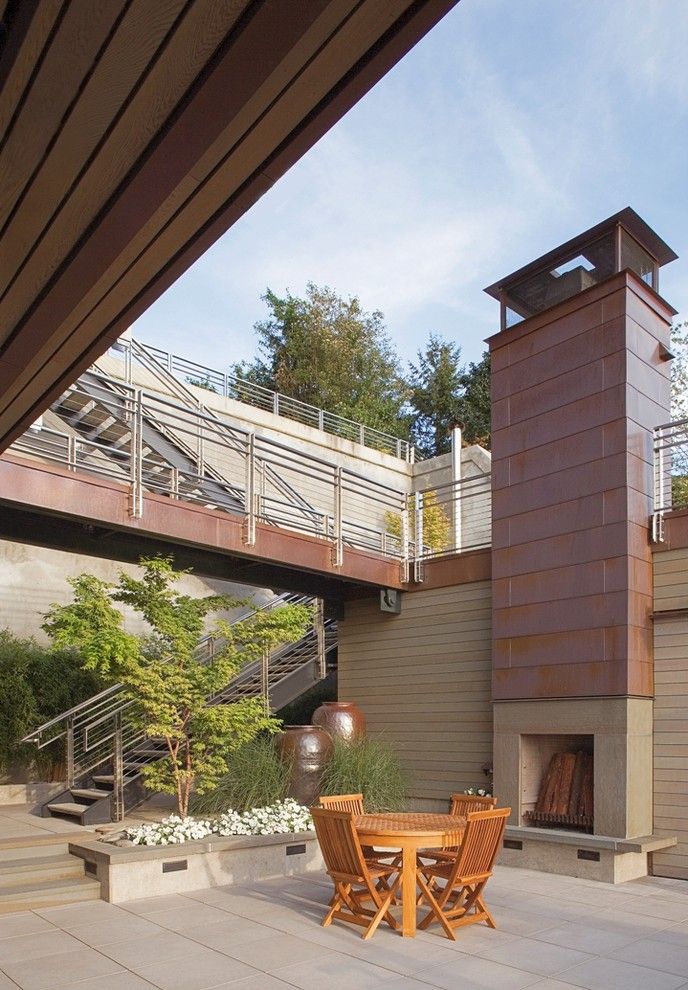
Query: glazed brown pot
{"points": [[307, 748], [341, 719]]}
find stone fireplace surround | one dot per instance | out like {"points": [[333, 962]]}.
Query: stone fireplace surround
{"points": [[527, 732]]}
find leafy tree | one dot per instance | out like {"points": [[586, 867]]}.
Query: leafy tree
{"points": [[329, 352], [161, 673]]}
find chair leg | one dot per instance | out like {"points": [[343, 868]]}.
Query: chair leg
{"points": [[435, 910], [383, 911], [335, 903]]}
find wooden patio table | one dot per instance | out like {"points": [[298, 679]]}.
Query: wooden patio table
{"points": [[409, 831]]}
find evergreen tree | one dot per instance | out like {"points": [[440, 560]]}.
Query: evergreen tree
{"points": [[475, 402], [436, 385]]}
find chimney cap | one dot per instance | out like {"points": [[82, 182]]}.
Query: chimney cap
{"points": [[627, 218]]}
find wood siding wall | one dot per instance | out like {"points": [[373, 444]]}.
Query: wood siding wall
{"points": [[671, 711], [422, 679]]}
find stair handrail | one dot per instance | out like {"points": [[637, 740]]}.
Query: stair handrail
{"points": [[35, 735], [287, 598]]}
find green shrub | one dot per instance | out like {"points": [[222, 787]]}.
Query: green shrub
{"points": [[257, 777], [368, 766], [37, 683]]}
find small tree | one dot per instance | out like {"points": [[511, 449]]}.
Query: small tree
{"points": [[435, 522], [161, 673]]}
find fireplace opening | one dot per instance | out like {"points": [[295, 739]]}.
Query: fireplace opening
{"points": [[557, 781]]}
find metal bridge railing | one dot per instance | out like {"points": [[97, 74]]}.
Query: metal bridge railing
{"points": [[251, 394], [670, 443]]}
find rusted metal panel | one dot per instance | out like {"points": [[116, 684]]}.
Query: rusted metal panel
{"points": [[572, 490]]}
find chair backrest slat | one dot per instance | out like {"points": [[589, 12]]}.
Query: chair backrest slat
{"points": [[481, 841], [464, 804], [339, 842], [343, 802]]}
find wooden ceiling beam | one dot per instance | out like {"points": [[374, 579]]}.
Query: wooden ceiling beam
{"points": [[282, 76]]}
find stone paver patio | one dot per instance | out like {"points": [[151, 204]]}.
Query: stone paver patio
{"points": [[554, 933]]}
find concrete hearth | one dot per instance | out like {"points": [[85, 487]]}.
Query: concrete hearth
{"points": [[621, 731]]}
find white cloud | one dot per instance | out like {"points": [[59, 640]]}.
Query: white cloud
{"points": [[507, 130]]}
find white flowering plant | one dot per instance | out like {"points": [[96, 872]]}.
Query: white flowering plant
{"points": [[282, 818], [478, 791], [170, 831]]}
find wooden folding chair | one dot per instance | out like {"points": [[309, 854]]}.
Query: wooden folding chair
{"points": [[354, 803], [460, 804], [460, 901], [355, 880], [343, 802]]}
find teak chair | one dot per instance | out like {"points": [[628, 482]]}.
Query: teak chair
{"points": [[354, 804], [460, 901], [460, 804], [343, 802], [355, 880]]}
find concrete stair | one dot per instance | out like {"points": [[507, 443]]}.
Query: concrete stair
{"points": [[40, 872]]}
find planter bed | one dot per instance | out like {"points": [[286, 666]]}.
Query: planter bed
{"points": [[130, 872]]}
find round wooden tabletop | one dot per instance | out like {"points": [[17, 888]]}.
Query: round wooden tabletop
{"points": [[412, 823]]}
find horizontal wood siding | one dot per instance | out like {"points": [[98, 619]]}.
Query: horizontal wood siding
{"points": [[422, 679], [671, 711]]}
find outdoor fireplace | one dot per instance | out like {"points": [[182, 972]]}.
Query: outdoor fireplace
{"points": [[557, 781]]}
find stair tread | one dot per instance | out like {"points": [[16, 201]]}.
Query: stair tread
{"points": [[104, 778], [48, 886], [92, 793], [33, 841], [68, 808], [36, 863]]}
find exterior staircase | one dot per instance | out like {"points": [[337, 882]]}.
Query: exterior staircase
{"points": [[40, 872], [107, 749]]}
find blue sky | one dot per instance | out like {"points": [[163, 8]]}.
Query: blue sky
{"points": [[510, 128]]}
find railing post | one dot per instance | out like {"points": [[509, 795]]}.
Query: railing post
{"points": [[127, 362], [71, 774], [319, 624], [175, 483], [250, 507], [456, 443], [136, 458], [405, 539], [660, 480], [321, 419], [361, 434], [72, 449], [118, 769], [418, 560], [200, 445], [265, 680], [338, 555], [275, 403]]}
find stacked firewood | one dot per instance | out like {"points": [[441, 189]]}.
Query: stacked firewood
{"points": [[566, 792]]}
